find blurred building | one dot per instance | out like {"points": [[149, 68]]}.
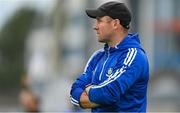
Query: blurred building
{"points": [[159, 26], [62, 40], [75, 42]]}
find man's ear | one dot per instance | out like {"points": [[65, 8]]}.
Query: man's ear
{"points": [[116, 23]]}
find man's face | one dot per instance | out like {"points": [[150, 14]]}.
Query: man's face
{"points": [[104, 28]]}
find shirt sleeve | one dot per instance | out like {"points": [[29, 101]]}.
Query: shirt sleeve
{"points": [[123, 78], [84, 79]]}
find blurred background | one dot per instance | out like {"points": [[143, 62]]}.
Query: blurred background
{"points": [[45, 44]]}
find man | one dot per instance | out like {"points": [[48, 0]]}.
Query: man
{"points": [[115, 78]]}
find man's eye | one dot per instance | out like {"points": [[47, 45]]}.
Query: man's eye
{"points": [[99, 21]]}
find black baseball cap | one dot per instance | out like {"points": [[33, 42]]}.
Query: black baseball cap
{"points": [[115, 10]]}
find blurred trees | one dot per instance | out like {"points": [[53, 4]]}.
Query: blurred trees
{"points": [[12, 37]]}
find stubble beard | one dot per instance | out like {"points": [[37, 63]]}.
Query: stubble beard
{"points": [[102, 40]]}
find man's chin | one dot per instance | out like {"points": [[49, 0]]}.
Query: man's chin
{"points": [[102, 41]]}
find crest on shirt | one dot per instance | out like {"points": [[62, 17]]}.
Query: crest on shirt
{"points": [[109, 72]]}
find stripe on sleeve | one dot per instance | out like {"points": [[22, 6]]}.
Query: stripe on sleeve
{"points": [[75, 102]]}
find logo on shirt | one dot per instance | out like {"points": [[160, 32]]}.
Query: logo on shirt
{"points": [[109, 72]]}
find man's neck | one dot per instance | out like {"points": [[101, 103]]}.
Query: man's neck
{"points": [[117, 39]]}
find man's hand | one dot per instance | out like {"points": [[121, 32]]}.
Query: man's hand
{"points": [[85, 102]]}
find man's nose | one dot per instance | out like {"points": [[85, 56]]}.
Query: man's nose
{"points": [[95, 27]]}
